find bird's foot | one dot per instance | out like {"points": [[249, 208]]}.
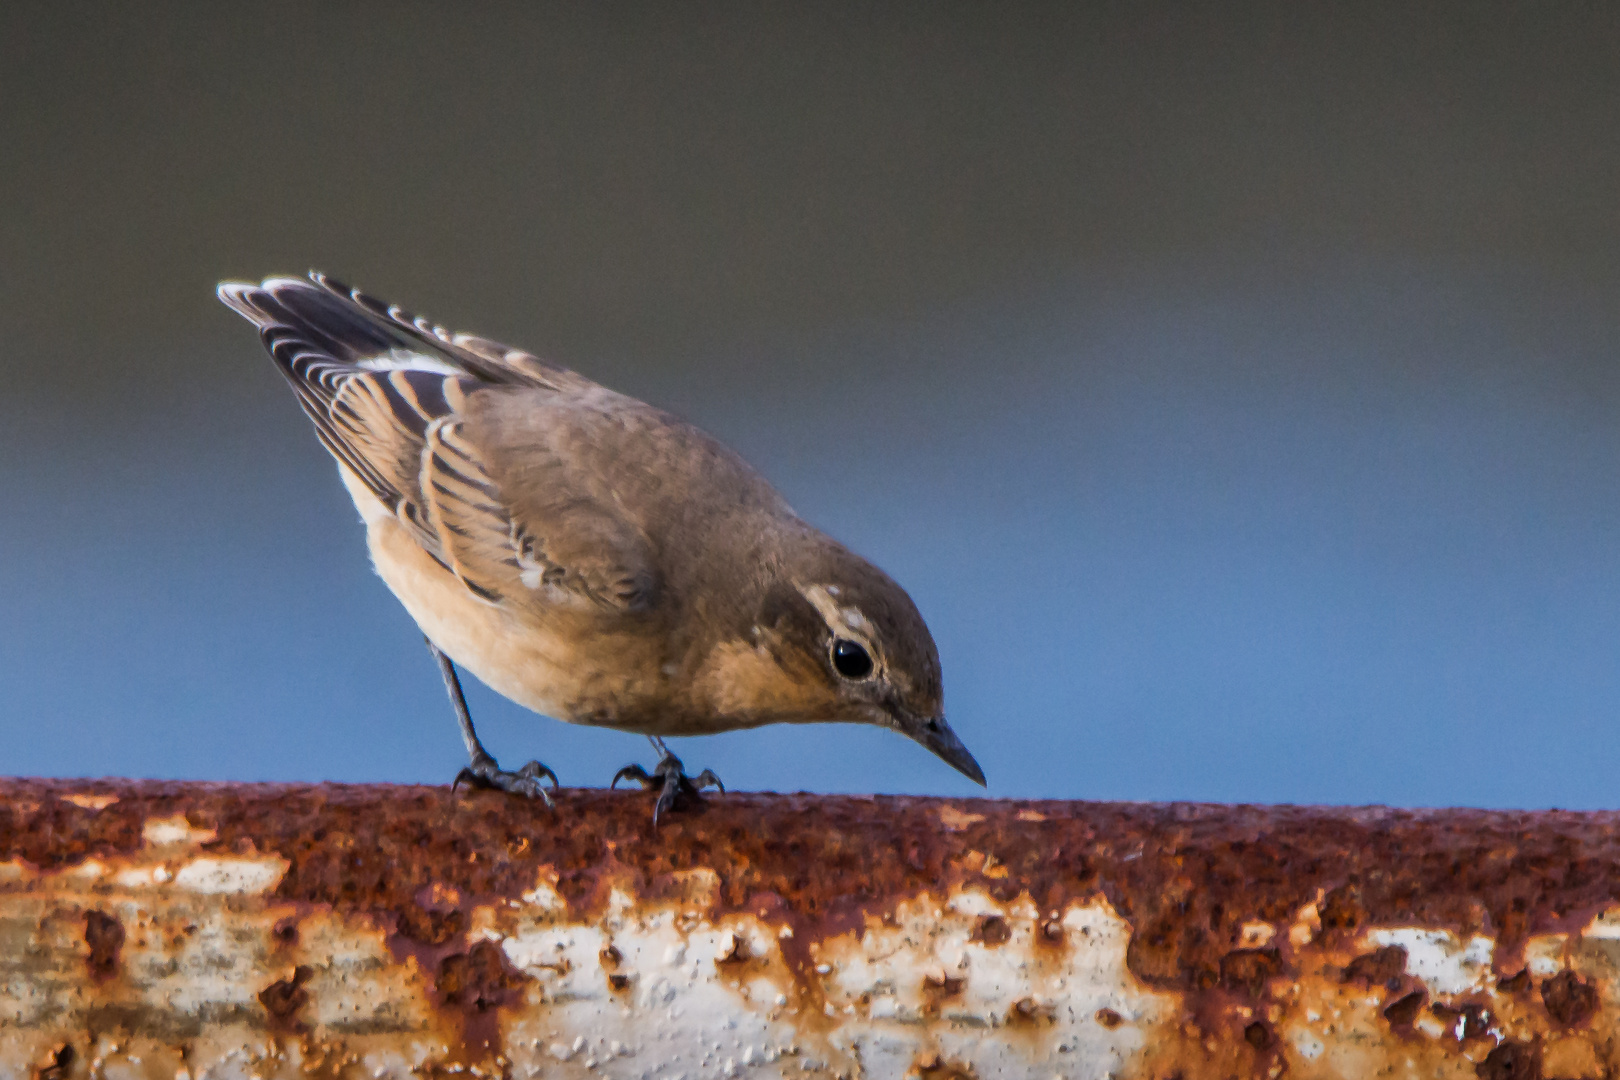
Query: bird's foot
{"points": [[485, 773], [676, 789]]}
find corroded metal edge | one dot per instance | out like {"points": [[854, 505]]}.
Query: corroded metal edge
{"points": [[167, 930]]}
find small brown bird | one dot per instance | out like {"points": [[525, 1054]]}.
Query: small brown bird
{"points": [[590, 557]]}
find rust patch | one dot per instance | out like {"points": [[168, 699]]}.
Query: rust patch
{"points": [[1341, 909], [610, 957], [477, 980], [282, 999], [1258, 1035], [60, 1067], [735, 953], [991, 930], [934, 1067], [105, 936], [1570, 999], [477, 983], [1247, 970], [1108, 1018], [1511, 1061], [1516, 984], [1027, 1012], [1404, 1010], [430, 926], [1381, 967]]}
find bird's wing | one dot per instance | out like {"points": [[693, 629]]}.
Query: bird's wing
{"points": [[390, 397]]}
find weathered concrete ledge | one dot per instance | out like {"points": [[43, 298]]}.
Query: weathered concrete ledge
{"points": [[161, 930]]}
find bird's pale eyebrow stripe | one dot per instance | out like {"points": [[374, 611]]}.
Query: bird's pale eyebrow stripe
{"points": [[843, 621]]}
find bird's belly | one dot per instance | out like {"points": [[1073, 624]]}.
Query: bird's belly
{"points": [[542, 667]]}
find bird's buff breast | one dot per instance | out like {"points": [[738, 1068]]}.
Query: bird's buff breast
{"points": [[533, 664]]}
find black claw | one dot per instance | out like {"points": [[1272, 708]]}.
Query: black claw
{"points": [[632, 772], [535, 770], [666, 801], [675, 788]]}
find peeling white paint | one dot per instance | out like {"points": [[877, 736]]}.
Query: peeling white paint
{"points": [[1604, 925], [160, 832], [1446, 965], [227, 875], [1544, 954]]}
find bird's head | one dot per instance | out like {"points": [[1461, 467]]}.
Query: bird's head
{"points": [[847, 644]]}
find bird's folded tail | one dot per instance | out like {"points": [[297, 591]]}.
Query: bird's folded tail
{"points": [[324, 317]]}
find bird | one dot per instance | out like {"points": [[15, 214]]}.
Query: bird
{"points": [[585, 554]]}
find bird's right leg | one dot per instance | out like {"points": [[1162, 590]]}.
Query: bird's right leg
{"points": [[669, 777], [483, 772]]}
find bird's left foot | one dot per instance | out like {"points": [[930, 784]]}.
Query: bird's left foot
{"points": [[676, 789], [484, 773]]}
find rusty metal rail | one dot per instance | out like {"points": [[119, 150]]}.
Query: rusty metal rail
{"points": [[169, 931]]}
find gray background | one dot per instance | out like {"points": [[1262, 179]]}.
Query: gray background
{"points": [[1233, 387]]}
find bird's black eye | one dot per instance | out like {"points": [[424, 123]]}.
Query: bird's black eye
{"points": [[852, 661]]}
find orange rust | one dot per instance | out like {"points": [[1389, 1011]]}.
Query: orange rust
{"points": [[1382, 967], [105, 936], [1512, 1061], [283, 998], [1249, 969], [1404, 1010], [478, 982], [60, 1067], [991, 930], [1516, 984], [934, 1067], [1570, 999], [735, 953]]}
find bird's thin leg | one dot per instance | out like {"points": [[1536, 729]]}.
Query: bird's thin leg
{"points": [[483, 771], [675, 788], [458, 701]]}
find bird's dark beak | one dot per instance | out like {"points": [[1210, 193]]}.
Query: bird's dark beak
{"points": [[938, 737]]}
